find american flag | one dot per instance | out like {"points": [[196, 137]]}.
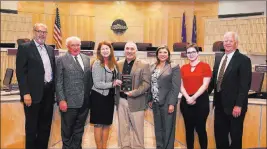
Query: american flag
{"points": [[57, 32]]}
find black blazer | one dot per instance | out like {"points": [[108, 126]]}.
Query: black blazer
{"points": [[30, 70], [236, 82]]}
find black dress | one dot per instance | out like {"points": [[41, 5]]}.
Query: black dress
{"points": [[102, 107]]}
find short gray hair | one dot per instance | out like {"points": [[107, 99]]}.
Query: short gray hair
{"points": [[72, 38], [39, 24], [129, 43], [232, 33]]}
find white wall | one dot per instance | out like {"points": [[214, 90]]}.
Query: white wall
{"points": [[235, 7], [13, 5]]}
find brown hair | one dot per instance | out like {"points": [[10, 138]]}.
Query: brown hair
{"points": [[111, 59], [169, 54], [192, 46]]}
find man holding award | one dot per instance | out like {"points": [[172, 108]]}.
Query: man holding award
{"points": [[131, 98]]}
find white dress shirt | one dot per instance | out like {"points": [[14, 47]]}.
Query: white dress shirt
{"points": [[80, 60], [46, 61], [229, 57]]}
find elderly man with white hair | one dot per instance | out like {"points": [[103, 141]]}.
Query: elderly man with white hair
{"points": [[131, 104], [73, 86], [231, 82]]}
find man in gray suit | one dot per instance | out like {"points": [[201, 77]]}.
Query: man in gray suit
{"points": [[131, 105], [73, 86]]}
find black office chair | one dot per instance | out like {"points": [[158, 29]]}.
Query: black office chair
{"points": [[87, 45], [218, 46], [143, 46], [22, 40], [179, 46], [118, 46]]}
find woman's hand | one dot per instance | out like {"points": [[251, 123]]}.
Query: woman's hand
{"points": [[117, 83], [190, 101]]}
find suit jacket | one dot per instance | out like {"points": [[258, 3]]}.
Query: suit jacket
{"points": [[102, 78], [141, 80], [30, 70], [72, 83], [235, 84], [169, 82]]}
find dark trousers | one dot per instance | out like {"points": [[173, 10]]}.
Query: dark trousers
{"points": [[195, 117], [72, 126], [225, 124], [164, 125], [38, 119]]}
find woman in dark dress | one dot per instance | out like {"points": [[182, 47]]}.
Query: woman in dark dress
{"points": [[104, 73]]}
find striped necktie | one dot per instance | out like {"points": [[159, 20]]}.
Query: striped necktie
{"points": [[221, 73]]}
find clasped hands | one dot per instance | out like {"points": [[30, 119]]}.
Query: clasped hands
{"points": [[191, 100]]}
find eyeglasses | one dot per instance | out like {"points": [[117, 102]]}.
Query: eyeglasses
{"points": [[39, 32], [193, 52], [75, 45]]}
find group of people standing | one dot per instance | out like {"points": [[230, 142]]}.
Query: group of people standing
{"points": [[82, 86]]}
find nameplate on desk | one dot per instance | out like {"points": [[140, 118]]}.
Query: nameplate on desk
{"points": [[151, 53], [12, 51], [88, 53], [261, 68]]}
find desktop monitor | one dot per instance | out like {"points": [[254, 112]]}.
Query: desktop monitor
{"points": [[8, 77], [256, 81]]}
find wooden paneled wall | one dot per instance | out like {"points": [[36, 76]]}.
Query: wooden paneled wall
{"points": [[251, 31], [15, 26], [155, 22]]}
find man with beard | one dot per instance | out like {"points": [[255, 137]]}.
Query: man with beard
{"points": [[131, 104], [35, 65]]}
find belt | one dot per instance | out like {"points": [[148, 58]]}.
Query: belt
{"points": [[47, 83], [123, 95]]}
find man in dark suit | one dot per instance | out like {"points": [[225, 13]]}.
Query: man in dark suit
{"points": [[231, 82], [35, 65], [73, 87]]}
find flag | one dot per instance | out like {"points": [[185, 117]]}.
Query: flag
{"points": [[57, 32], [183, 29], [194, 31]]}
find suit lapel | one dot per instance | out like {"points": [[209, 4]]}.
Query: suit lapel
{"points": [[86, 64], [230, 65], [134, 66], [164, 69], [71, 59]]}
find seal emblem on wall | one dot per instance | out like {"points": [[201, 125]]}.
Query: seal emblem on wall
{"points": [[119, 26]]}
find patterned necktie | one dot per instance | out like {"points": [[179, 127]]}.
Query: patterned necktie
{"points": [[221, 73], [76, 59]]}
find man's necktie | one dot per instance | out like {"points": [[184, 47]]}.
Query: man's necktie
{"points": [[221, 73], [76, 59]]}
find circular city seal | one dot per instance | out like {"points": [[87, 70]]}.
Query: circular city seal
{"points": [[119, 26]]}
